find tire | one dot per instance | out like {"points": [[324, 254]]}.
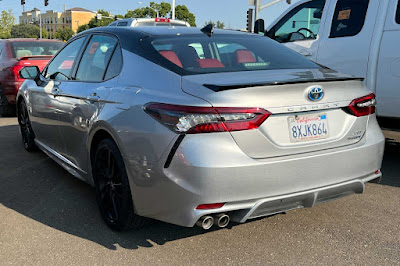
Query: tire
{"points": [[112, 189], [6, 109], [27, 134]]}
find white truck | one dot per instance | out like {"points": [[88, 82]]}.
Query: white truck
{"points": [[357, 37]]}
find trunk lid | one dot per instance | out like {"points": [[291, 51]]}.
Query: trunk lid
{"points": [[285, 94]]}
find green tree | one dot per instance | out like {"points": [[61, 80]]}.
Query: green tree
{"points": [[218, 24], [27, 31], [7, 20], [104, 21], [82, 28], [64, 34], [183, 13], [164, 10]]}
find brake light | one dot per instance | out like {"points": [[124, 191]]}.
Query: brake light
{"points": [[167, 20], [15, 71], [193, 120], [363, 106], [210, 206]]}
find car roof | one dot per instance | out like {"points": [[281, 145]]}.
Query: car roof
{"points": [[31, 40], [159, 31]]}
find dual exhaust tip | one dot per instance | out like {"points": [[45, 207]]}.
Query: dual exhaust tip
{"points": [[221, 220]]}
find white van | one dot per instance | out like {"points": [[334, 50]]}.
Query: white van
{"points": [[145, 22], [358, 37]]}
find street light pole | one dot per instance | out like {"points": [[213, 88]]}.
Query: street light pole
{"points": [[173, 9], [40, 25]]}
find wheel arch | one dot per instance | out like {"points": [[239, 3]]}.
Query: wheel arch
{"points": [[101, 130]]}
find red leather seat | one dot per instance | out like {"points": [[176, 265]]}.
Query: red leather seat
{"points": [[210, 63], [171, 56], [244, 56]]}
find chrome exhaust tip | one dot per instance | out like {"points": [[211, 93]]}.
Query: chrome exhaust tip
{"points": [[222, 220], [205, 222]]}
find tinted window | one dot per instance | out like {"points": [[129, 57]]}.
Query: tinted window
{"points": [[199, 54], [124, 23], [302, 23], [349, 17], [21, 49], [115, 65], [95, 58], [398, 13], [60, 67]]}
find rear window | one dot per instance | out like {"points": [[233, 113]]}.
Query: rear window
{"points": [[22, 49], [198, 54]]}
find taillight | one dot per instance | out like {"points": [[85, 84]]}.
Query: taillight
{"points": [[363, 106], [193, 120], [210, 206], [162, 20], [15, 71]]}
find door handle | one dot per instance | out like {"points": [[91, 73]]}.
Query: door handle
{"points": [[306, 53], [93, 97]]}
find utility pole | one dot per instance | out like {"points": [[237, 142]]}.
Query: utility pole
{"points": [[173, 9], [40, 25], [258, 5]]}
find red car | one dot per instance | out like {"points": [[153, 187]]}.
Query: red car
{"points": [[15, 54]]}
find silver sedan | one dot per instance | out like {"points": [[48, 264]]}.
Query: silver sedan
{"points": [[194, 126]]}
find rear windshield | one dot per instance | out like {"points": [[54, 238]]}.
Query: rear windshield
{"points": [[199, 54], [22, 49]]}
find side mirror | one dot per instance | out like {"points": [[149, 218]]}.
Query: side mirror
{"points": [[31, 72], [259, 26]]}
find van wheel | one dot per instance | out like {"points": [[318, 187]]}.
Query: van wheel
{"points": [[112, 188], [27, 134], [6, 109]]}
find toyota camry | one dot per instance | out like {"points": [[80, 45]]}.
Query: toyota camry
{"points": [[195, 126]]}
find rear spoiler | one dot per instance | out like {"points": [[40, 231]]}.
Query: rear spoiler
{"points": [[37, 57], [218, 88]]}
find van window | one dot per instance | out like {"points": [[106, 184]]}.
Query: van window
{"points": [[302, 23], [349, 17], [398, 13]]}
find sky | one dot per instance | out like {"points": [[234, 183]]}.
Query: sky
{"points": [[231, 12]]}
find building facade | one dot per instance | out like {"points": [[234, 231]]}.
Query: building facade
{"points": [[53, 20]]}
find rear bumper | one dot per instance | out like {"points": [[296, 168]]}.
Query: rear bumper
{"points": [[213, 169]]}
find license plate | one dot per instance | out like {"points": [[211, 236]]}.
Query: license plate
{"points": [[308, 127]]}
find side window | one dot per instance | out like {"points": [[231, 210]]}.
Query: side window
{"points": [[398, 13], [123, 23], [349, 17], [1, 47], [115, 65], [95, 58], [60, 67], [302, 23]]}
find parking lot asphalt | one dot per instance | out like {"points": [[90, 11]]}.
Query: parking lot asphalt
{"points": [[47, 217]]}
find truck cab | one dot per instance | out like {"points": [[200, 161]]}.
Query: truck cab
{"points": [[357, 37]]}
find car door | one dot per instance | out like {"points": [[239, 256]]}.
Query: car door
{"points": [[86, 95], [44, 103], [347, 46], [301, 27], [388, 69]]}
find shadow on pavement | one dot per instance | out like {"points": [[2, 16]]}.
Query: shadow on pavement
{"points": [[35, 186]]}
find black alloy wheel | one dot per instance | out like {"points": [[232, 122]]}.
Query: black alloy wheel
{"points": [[112, 188], [27, 134]]}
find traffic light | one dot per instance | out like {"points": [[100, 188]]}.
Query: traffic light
{"points": [[46, 2], [249, 19], [22, 2]]}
